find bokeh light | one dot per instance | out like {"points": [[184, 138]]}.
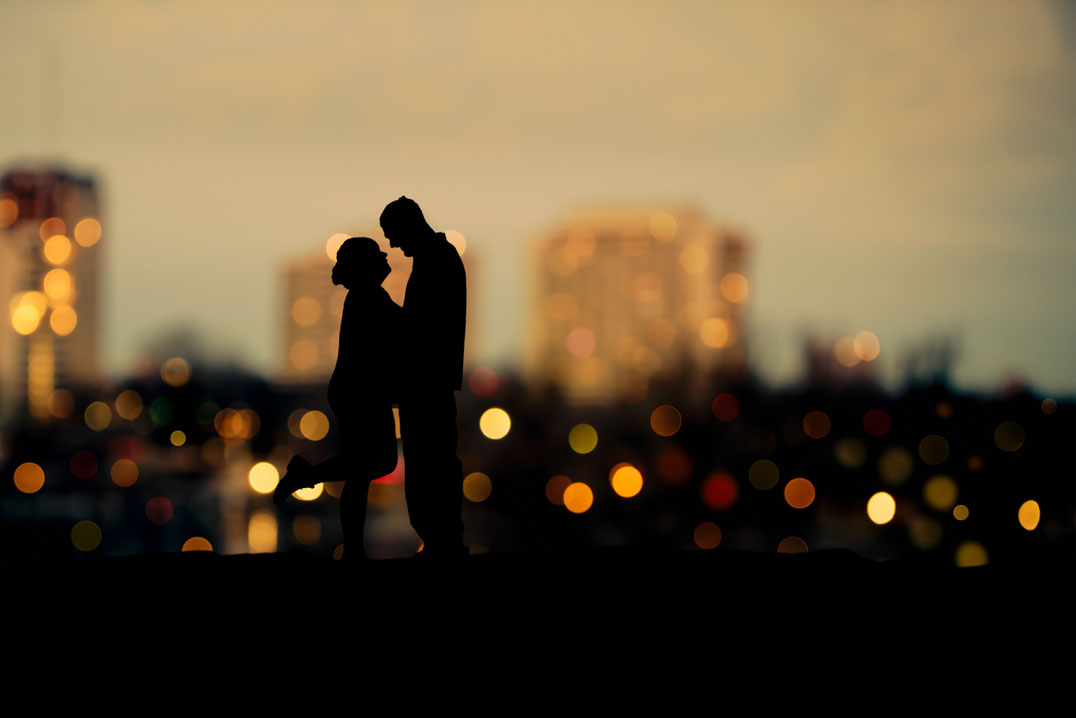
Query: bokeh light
{"points": [[674, 466], [61, 403], [816, 424], [87, 232], [725, 407], [98, 416], [581, 342], [314, 425], [850, 453], [961, 512], [332, 245], [309, 493], [1029, 514], [563, 307], [1009, 436], [694, 259], [477, 487], [876, 422], [866, 346], [662, 226], [124, 472], [707, 535], [583, 438], [665, 420], [933, 449], [262, 532], [895, 465], [881, 508], [714, 332], [799, 493], [197, 543], [971, 553], [457, 240], [306, 529], [792, 544], [1048, 405], [940, 492], [734, 287], [626, 480], [9, 212], [129, 404], [51, 227], [177, 438], [57, 249], [29, 477], [763, 474], [86, 536], [495, 423], [263, 477], [483, 382], [578, 497], [63, 320], [83, 465], [719, 491], [845, 351], [306, 311], [303, 354], [176, 371], [159, 510], [58, 285], [554, 489]]}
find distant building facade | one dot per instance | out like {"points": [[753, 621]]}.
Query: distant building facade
{"points": [[51, 240], [629, 294]]}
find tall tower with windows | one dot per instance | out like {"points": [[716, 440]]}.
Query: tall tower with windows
{"points": [[50, 261]]}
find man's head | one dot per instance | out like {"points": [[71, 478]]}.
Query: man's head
{"points": [[360, 263], [404, 225]]}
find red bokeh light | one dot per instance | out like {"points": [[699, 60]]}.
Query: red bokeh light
{"points": [[726, 407], [876, 422], [720, 491]]}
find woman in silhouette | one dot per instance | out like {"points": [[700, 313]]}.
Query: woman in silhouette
{"points": [[362, 390]]}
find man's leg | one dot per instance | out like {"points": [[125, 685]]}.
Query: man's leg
{"points": [[433, 480]]}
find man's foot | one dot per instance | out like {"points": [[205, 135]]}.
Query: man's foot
{"points": [[297, 476], [436, 553]]}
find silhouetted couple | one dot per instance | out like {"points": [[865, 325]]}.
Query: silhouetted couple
{"points": [[412, 356]]}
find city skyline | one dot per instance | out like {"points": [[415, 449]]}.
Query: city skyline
{"points": [[904, 169]]}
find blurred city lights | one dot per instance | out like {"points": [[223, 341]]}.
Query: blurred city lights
{"points": [[816, 424], [306, 311], [944, 410], [933, 449], [61, 403], [714, 332], [583, 438], [674, 465], [159, 510], [177, 438], [332, 245], [87, 232], [578, 498], [314, 425], [83, 465], [29, 477], [725, 407], [694, 259], [626, 480], [477, 487], [124, 472], [799, 493], [176, 371], [734, 287], [9, 212], [58, 285], [63, 320], [310, 493], [306, 529], [845, 351], [57, 249], [707, 535], [262, 532], [719, 491], [866, 346], [263, 477], [924, 532], [876, 422], [563, 307], [51, 227], [303, 354], [665, 420], [1048, 406], [457, 240], [850, 453], [662, 226], [483, 382], [1009, 436], [580, 342], [961, 512], [895, 465], [86, 536], [129, 404], [971, 553], [763, 474], [881, 508], [197, 543], [554, 489], [98, 416], [1029, 514], [940, 492], [792, 544], [495, 423]]}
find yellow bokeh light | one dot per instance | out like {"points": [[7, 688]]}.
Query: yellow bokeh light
{"points": [[306, 311], [694, 259], [197, 543], [940, 492], [881, 508], [845, 351], [583, 438], [1029, 514], [1009, 436], [707, 535], [333, 244], [554, 489], [792, 544], [262, 532], [29, 478], [9, 212], [306, 529], [626, 480], [662, 226], [971, 553], [714, 332], [933, 449], [86, 536], [57, 249], [961, 512], [63, 321], [477, 487], [735, 287], [98, 416], [58, 285], [866, 346], [895, 465], [763, 474], [457, 240], [314, 425], [925, 533], [176, 371], [578, 498], [665, 420], [178, 438], [495, 423], [263, 477], [124, 472], [25, 319], [50, 227], [799, 493], [310, 492], [87, 232], [850, 453], [303, 354], [129, 404]]}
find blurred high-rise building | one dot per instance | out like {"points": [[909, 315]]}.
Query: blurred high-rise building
{"points": [[312, 306], [626, 295], [50, 260]]}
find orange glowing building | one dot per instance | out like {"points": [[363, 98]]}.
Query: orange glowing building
{"points": [[50, 260], [628, 294]]}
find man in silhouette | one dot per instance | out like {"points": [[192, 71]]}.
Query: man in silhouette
{"points": [[435, 310], [361, 391]]}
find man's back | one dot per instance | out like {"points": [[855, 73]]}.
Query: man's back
{"points": [[435, 312]]}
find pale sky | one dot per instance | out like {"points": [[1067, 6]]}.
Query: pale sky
{"points": [[903, 167]]}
